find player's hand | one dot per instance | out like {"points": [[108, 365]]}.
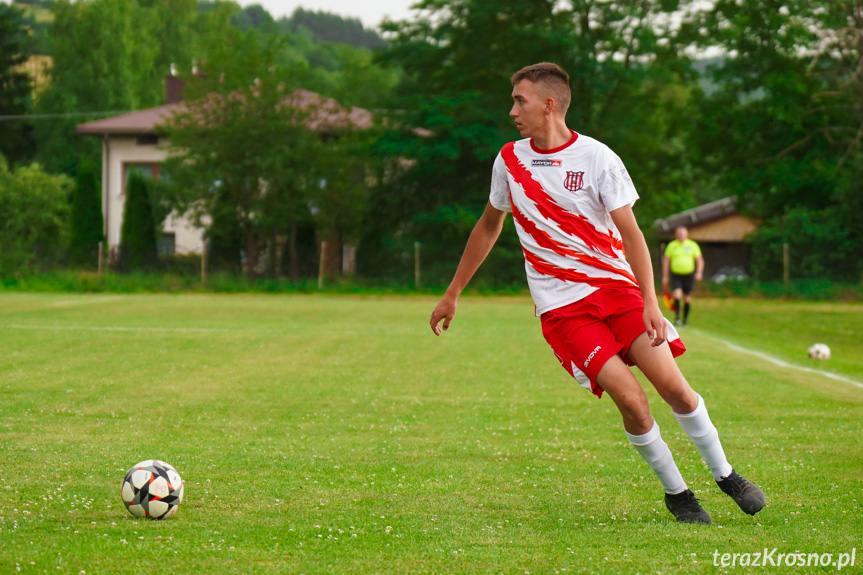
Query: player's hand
{"points": [[698, 276], [445, 310], [664, 284], [654, 321]]}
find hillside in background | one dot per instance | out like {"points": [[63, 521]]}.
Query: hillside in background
{"points": [[319, 25], [328, 27]]}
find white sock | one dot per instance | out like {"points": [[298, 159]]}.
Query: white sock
{"points": [[703, 434], [657, 455]]}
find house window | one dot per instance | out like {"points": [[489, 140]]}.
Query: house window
{"points": [[149, 170], [166, 245]]}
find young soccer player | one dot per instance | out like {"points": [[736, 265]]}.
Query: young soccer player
{"points": [[571, 199]]}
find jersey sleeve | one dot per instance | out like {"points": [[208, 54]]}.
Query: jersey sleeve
{"points": [[696, 249], [499, 196], [615, 186]]}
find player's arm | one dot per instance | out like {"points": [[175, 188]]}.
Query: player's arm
{"points": [[638, 257], [482, 238]]}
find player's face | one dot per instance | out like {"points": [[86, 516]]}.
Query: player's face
{"points": [[528, 109]]}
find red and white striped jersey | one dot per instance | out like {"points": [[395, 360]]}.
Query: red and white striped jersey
{"points": [[560, 200]]}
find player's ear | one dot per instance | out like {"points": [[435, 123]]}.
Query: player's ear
{"points": [[549, 106]]}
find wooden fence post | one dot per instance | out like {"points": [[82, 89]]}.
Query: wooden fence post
{"points": [[203, 262], [417, 266], [323, 265]]}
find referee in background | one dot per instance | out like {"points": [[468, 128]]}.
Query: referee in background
{"points": [[683, 259]]}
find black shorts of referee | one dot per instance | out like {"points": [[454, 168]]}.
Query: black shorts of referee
{"points": [[683, 282]]}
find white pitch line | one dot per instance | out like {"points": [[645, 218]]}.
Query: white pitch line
{"points": [[779, 362], [122, 328], [84, 301]]}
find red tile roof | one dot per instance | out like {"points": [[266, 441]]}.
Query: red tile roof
{"points": [[140, 122], [327, 113]]}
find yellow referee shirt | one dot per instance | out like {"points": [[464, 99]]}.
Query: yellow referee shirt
{"points": [[682, 256]]}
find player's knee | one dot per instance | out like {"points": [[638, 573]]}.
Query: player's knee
{"points": [[682, 399], [637, 418], [637, 425]]}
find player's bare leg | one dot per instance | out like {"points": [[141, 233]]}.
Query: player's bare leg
{"points": [[658, 365], [643, 432], [620, 384]]}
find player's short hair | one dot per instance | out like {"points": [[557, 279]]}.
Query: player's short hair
{"points": [[552, 77]]}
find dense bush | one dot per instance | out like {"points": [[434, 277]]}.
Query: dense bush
{"points": [[33, 215], [86, 215], [818, 247], [138, 250]]}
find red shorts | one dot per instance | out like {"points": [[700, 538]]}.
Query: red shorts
{"points": [[587, 333]]}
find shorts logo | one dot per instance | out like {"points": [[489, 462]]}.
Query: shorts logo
{"points": [[574, 181], [545, 163], [590, 357]]}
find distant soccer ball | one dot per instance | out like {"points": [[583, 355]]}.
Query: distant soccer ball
{"points": [[153, 489], [819, 351]]}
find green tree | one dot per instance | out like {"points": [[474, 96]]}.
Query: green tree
{"points": [[233, 56], [348, 74], [176, 27], [247, 155], [631, 89], [781, 127], [328, 27], [818, 247], [111, 56], [253, 16], [244, 147], [342, 203], [37, 15], [138, 233], [33, 216], [86, 225], [16, 141], [103, 57]]}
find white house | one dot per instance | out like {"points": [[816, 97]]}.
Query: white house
{"points": [[130, 144]]}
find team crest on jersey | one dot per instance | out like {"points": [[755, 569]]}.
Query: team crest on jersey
{"points": [[546, 163], [574, 181]]}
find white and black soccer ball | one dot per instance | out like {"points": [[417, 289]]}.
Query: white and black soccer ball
{"points": [[819, 351], [153, 489]]}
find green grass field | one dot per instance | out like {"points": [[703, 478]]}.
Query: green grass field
{"points": [[338, 435]]}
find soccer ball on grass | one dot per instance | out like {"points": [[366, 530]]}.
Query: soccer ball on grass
{"points": [[819, 351], [153, 489]]}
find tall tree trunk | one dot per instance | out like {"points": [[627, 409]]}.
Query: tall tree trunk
{"points": [[251, 255], [272, 249], [292, 253]]}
